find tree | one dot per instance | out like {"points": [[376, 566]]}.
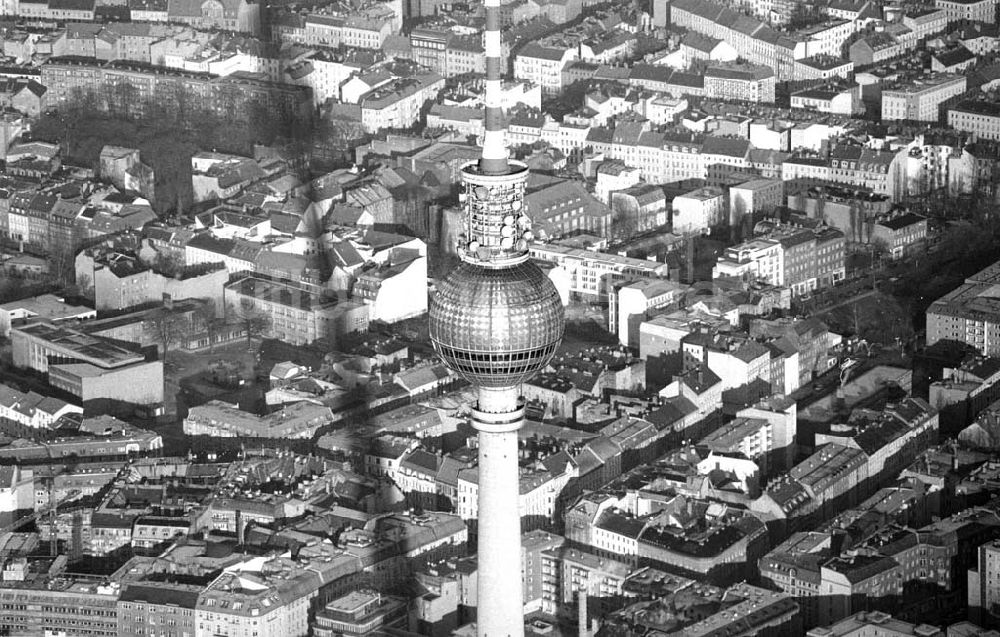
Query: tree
{"points": [[879, 252], [121, 98], [85, 286], [803, 16], [81, 102], [12, 286], [167, 328], [254, 321], [169, 264], [62, 263], [206, 320], [736, 221], [624, 221]]}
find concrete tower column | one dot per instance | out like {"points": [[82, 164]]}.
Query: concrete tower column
{"points": [[500, 606]]}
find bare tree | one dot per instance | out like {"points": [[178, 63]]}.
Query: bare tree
{"points": [[167, 328], [121, 99], [84, 286], [879, 251], [206, 320], [62, 263], [80, 102], [252, 319], [624, 220]]}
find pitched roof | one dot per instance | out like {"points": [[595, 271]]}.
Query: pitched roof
{"points": [[650, 72], [700, 378], [421, 461], [730, 146], [536, 50], [345, 255], [700, 42], [958, 55]]}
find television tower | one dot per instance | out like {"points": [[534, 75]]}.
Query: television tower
{"points": [[496, 320]]}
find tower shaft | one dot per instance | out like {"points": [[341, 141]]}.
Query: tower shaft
{"points": [[501, 606], [500, 610]]}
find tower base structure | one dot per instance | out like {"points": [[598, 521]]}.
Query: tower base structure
{"points": [[497, 417]]}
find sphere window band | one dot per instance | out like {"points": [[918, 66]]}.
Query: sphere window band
{"points": [[489, 369]]}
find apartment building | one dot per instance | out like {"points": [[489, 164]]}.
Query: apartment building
{"points": [[400, 102], [970, 313], [630, 302], [157, 84], [834, 100], [543, 65], [981, 118], [33, 410], [394, 291], [661, 157], [120, 284], [754, 196], [323, 71], [740, 82], [823, 67], [592, 273], [876, 48], [334, 30], [753, 40], [921, 99], [925, 22], [296, 313], [695, 46], [537, 500], [882, 172], [798, 258], [448, 53], [37, 609], [831, 256], [751, 437], [755, 260], [969, 10], [699, 210], [56, 10], [975, 169], [644, 205], [902, 233], [799, 247], [565, 208], [984, 590], [222, 420]]}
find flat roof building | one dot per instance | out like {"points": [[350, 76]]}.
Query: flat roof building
{"points": [[87, 366], [920, 100], [299, 314], [978, 117], [970, 313], [42, 307], [220, 419]]}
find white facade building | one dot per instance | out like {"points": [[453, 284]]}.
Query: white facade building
{"points": [[756, 260], [699, 210]]}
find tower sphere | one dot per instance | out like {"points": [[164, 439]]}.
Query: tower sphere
{"points": [[496, 327]]}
